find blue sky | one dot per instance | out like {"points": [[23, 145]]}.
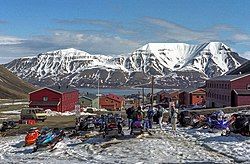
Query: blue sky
{"points": [[118, 27]]}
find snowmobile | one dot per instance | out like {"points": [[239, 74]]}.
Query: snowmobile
{"points": [[185, 118], [136, 127], [48, 139], [199, 121], [8, 125], [217, 122], [241, 123], [119, 120], [87, 124], [31, 136], [112, 127], [100, 122]]}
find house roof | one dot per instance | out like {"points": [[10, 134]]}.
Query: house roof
{"points": [[190, 89], [242, 92], [44, 103], [162, 92], [64, 89], [57, 89], [229, 77], [115, 97], [89, 96], [198, 89]]}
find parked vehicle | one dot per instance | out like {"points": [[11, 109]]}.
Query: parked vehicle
{"points": [[136, 127], [112, 127], [216, 121], [8, 125], [85, 124], [185, 118], [241, 123], [100, 122], [33, 114], [48, 139], [31, 136], [119, 120], [90, 110]]}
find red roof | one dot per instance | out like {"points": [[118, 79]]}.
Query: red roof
{"points": [[57, 90], [115, 97]]}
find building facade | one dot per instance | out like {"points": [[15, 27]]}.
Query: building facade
{"points": [[59, 99], [112, 102], [240, 97], [219, 89], [192, 97], [198, 97], [86, 100]]}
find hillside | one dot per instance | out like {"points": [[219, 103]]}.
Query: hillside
{"points": [[12, 87], [174, 65]]}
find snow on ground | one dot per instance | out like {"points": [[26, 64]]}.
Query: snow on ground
{"points": [[3, 118], [67, 113], [14, 103], [158, 148], [12, 112], [234, 146]]}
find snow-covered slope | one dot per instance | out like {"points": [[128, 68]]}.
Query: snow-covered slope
{"points": [[173, 64], [181, 56]]}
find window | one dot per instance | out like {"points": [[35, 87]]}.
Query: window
{"points": [[106, 100], [201, 96], [248, 86], [197, 96], [45, 98]]}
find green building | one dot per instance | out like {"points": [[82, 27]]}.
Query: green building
{"points": [[88, 100]]}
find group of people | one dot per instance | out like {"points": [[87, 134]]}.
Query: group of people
{"points": [[150, 115]]}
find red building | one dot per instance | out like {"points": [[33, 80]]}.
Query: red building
{"points": [[240, 97], [58, 99], [193, 97], [112, 102], [228, 90]]}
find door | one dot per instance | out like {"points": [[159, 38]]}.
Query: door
{"points": [[233, 99], [213, 105]]}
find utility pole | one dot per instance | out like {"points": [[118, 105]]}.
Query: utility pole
{"points": [[152, 91], [98, 91], [142, 97]]}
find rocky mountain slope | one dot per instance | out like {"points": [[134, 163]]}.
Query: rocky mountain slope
{"points": [[12, 87], [175, 65]]}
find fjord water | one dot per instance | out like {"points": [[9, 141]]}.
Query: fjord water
{"points": [[121, 92]]}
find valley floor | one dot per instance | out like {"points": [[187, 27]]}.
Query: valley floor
{"points": [[188, 145]]}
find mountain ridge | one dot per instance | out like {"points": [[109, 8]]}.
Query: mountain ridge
{"points": [[169, 62], [12, 87]]}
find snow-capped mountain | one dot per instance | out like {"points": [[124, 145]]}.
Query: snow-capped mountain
{"points": [[173, 65]]}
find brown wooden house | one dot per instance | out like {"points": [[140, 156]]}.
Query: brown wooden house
{"points": [[112, 102]]}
